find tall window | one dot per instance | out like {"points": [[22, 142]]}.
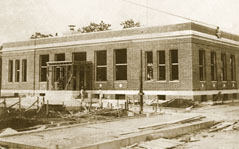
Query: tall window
{"points": [[43, 67], [10, 71], [101, 66], [161, 66], [174, 65], [24, 70], [121, 64], [213, 66], [149, 65], [233, 67], [79, 56], [202, 68], [17, 70], [224, 67]]}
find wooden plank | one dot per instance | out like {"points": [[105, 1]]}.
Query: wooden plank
{"points": [[172, 122]]}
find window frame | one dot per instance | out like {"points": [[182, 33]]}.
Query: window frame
{"points": [[213, 64], [10, 70], [24, 70], [17, 70], [224, 67], [99, 66], [43, 67], [124, 64], [149, 71], [172, 64], [162, 65], [202, 65], [233, 67]]}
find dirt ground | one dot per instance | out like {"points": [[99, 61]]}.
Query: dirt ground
{"points": [[221, 139]]}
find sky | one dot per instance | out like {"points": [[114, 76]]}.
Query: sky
{"points": [[19, 19]]}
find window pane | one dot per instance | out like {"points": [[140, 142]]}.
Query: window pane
{"points": [[201, 57], [10, 71], [161, 97], [44, 59], [79, 56], [43, 70], [101, 74], [24, 70], [101, 58], [202, 65], [149, 65], [121, 56], [213, 58], [224, 68], [121, 72], [233, 67], [17, 70], [213, 76], [43, 74], [161, 57], [149, 56], [120, 96], [213, 66], [162, 73], [174, 72], [60, 57], [174, 56], [149, 72], [201, 72]]}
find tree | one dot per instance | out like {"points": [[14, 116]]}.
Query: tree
{"points": [[39, 35], [94, 27], [129, 24]]}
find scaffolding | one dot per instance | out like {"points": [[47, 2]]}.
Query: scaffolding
{"points": [[69, 75]]}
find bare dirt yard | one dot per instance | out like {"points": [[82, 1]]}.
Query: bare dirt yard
{"points": [[225, 135]]}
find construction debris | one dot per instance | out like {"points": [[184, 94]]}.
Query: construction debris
{"points": [[178, 103], [57, 115], [225, 126]]}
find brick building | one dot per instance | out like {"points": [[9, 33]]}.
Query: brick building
{"points": [[179, 61]]}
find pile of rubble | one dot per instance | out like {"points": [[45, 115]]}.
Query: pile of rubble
{"points": [[18, 121]]}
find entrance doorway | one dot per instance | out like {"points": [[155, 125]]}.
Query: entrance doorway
{"points": [[68, 75]]}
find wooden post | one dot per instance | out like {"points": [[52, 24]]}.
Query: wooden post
{"points": [[47, 107], [43, 100], [141, 93], [157, 105], [37, 102], [20, 103], [111, 106], [4, 103], [90, 96]]}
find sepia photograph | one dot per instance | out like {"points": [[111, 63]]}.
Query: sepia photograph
{"points": [[119, 74]]}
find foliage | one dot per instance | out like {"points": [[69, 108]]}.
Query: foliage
{"points": [[129, 24], [94, 27], [39, 35]]}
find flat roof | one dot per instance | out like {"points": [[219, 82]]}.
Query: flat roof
{"points": [[122, 33]]}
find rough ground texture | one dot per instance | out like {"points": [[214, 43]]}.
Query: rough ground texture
{"points": [[221, 139], [91, 133]]}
